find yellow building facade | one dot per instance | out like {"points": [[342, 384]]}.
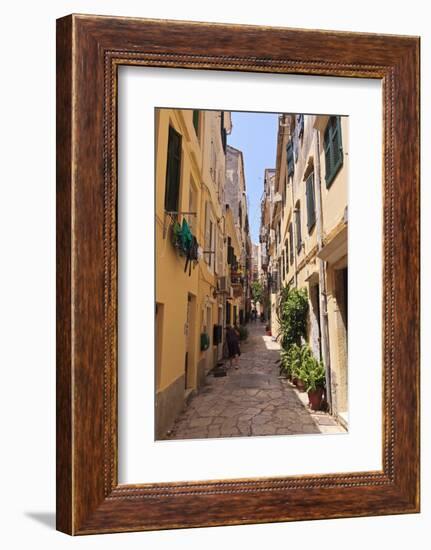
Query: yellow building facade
{"points": [[307, 240], [194, 295]]}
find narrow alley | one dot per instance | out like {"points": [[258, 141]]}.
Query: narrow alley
{"points": [[251, 400]]}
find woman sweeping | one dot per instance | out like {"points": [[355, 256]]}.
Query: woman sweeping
{"points": [[232, 340]]}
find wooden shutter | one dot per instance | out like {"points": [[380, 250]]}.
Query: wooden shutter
{"points": [[211, 259], [291, 242], [219, 252], [336, 141], [173, 171], [333, 149], [298, 228], [300, 123], [328, 153], [311, 205], [207, 232]]}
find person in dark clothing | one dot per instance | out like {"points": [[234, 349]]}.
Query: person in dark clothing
{"points": [[232, 340]]}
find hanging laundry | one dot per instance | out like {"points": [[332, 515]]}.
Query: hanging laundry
{"points": [[186, 237], [192, 255]]}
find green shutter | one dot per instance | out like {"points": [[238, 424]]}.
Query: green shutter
{"points": [[173, 171], [298, 229], [291, 242], [311, 205], [336, 139], [333, 149]]}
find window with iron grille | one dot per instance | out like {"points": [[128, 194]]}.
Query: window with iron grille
{"points": [[333, 149]]}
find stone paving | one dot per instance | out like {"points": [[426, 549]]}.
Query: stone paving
{"points": [[251, 400]]}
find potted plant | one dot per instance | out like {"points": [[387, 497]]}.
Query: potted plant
{"points": [[315, 383], [294, 361], [287, 361], [301, 375]]}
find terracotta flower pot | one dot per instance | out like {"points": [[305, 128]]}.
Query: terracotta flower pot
{"points": [[315, 398]]}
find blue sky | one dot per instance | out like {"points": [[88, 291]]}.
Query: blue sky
{"points": [[255, 134]]}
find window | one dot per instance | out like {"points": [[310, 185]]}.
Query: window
{"points": [[283, 265], [209, 235], [210, 254], [290, 159], [196, 122], [229, 251], [291, 243], [279, 274], [173, 171], [300, 125], [311, 204], [298, 227], [333, 149], [192, 206], [223, 132], [286, 253]]}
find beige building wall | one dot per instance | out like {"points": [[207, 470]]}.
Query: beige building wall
{"points": [[298, 265]]}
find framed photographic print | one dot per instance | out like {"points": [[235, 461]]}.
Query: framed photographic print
{"points": [[230, 201]]}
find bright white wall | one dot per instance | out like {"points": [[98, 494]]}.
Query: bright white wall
{"points": [[27, 218]]}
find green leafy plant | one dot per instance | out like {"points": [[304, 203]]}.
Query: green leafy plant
{"points": [[299, 362], [290, 361], [315, 375], [311, 370], [292, 316], [257, 292]]}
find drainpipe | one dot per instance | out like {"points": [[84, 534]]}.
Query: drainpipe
{"points": [[322, 279]]}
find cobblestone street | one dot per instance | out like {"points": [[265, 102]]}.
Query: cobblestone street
{"points": [[251, 400]]}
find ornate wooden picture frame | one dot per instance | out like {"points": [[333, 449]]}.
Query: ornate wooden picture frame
{"points": [[89, 51]]}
